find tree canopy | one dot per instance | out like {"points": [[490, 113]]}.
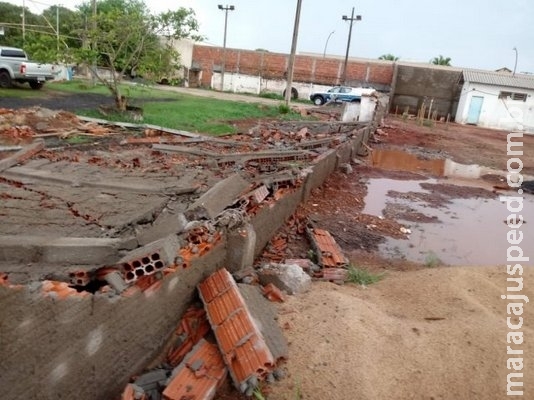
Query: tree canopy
{"points": [[123, 36], [388, 57], [440, 60]]}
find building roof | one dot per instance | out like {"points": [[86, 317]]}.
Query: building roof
{"points": [[521, 81]]}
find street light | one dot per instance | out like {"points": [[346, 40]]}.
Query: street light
{"points": [[225, 9], [351, 19], [326, 44], [515, 65]]}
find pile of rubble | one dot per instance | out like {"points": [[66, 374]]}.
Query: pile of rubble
{"points": [[36, 122], [112, 222], [234, 334]]}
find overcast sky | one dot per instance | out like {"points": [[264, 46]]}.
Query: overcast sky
{"points": [[473, 33]]}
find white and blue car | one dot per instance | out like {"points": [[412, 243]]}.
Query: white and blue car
{"points": [[339, 94]]}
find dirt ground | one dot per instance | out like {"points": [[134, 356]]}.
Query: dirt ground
{"points": [[421, 332], [428, 334]]}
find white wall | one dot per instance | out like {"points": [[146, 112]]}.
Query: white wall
{"points": [[495, 112], [185, 48], [239, 83]]}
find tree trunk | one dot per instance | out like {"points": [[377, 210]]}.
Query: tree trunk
{"points": [[120, 103]]}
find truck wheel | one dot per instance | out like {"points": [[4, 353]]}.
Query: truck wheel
{"points": [[318, 101], [36, 85], [5, 79]]}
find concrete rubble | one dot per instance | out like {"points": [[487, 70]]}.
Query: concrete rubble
{"points": [[290, 278], [249, 345], [103, 246]]}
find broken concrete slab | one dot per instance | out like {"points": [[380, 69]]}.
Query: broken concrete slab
{"points": [[154, 379], [110, 184], [116, 281], [246, 275], [166, 223], [265, 315], [346, 168], [241, 245], [288, 277], [216, 199], [168, 148], [22, 155], [69, 250]]}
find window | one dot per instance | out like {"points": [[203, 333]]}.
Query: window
{"points": [[519, 96], [513, 96], [13, 53]]}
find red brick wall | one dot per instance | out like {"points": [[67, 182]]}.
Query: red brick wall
{"points": [[326, 71]]}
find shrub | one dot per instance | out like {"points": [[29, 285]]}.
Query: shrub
{"points": [[362, 276]]}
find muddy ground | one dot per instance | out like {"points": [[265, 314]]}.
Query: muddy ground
{"points": [[426, 330]]}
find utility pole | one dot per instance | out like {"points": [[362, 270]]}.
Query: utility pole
{"points": [[225, 9], [57, 30], [93, 43], [23, 22], [515, 65], [291, 64], [351, 19]]}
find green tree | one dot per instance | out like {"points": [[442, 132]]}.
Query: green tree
{"points": [[49, 46], [40, 38], [440, 60], [10, 18], [124, 36], [388, 57]]}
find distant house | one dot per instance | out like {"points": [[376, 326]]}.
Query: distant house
{"points": [[496, 100]]}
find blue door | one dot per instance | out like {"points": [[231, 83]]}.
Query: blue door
{"points": [[474, 109]]}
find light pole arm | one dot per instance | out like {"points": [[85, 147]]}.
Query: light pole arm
{"points": [[326, 44]]}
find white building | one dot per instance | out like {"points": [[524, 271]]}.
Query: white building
{"points": [[496, 100]]}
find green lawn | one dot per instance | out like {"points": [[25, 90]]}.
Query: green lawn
{"points": [[165, 108], [179, 111]]}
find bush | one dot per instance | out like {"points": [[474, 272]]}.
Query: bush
{"points": [[361, 276], [283, 108], [271, 95]]}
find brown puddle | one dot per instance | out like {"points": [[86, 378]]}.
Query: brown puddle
{"points": [[471, 231], [396, 160]]}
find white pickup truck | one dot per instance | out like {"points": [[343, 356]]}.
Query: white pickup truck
{"points": [[16, 67]]}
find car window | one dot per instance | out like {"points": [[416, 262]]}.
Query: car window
{"points": [[345, 90], [13, 53], [334, 90]]}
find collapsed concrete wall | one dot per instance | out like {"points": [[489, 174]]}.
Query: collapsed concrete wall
{"points": [[87, 345]]}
